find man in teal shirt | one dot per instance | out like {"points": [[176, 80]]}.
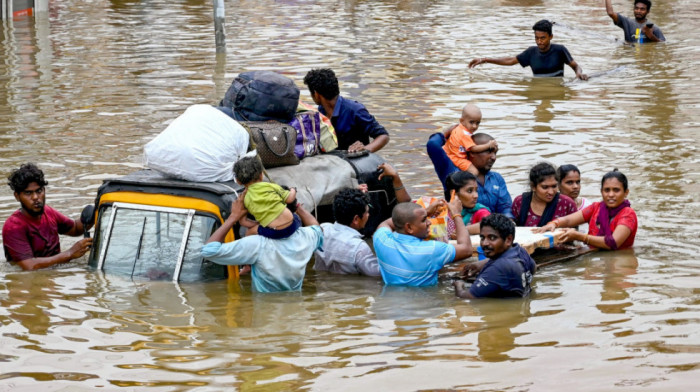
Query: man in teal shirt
{"points": [[276, 264]]}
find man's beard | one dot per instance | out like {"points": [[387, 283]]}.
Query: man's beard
{"points": [[33, 213]]}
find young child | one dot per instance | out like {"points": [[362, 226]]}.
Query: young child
{"points": [[266, 201], [459, 139]]}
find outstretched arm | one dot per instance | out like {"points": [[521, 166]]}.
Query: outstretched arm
{"points": [[497, 61], [306, 218], [77, 250], [611, 13], [579, 72], [571, 220]]}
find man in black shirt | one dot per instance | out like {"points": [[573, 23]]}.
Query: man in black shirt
{"points": [[545, 59]]}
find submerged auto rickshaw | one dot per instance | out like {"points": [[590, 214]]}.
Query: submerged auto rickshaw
{"points": [[152, 227]]}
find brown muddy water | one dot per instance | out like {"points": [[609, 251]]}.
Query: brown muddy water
{"points": [[83, 88]]}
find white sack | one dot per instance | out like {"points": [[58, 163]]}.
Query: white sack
{"points": [[202, 145]]}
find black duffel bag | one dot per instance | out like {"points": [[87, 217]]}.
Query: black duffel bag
{"points": [[262, 96]]}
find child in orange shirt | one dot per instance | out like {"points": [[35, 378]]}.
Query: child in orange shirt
{"points": [[459, 139]]}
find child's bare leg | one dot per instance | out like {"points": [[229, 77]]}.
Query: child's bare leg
{"points": [[473, 170]]}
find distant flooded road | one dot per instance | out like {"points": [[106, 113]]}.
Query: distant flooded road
{"points": [[83, 88]]}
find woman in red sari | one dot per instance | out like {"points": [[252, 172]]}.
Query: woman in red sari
{"points": [[612, 223]]}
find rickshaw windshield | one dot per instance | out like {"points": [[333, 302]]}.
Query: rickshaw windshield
{"points": [[154, 243]]}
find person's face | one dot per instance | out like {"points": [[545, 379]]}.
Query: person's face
{"points": [[468, 194], [546, 189], [32, 199], [613, 192], [542, 40], [420, 227], [471, 121], [640, 11], [571, 184], [492, 244], [484, 161]]}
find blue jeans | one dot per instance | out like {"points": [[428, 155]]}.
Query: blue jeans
{"points": [[442, 163]]}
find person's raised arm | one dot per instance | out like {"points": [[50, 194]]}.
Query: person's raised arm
{"points": [[389, 171], [497, 61], [609, 9], [579, 72], [238, 211], [463, 247], [77, 250], [306, 218], [571, 220]]}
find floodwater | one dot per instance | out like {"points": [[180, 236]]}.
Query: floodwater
{"points": [[86, 86]]}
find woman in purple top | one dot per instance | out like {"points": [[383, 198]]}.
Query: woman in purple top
{"points": [[544, 202]]}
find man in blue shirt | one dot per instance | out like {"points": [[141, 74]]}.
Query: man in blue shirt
{"points": [[545, 59], [276, 264], [405, 258], [353, 124], [509, 268], [493, 192]]}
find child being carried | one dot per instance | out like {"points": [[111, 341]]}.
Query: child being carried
{"points": [[459, 139], [269, 203]]}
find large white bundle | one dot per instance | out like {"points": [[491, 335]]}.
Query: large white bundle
{"points": [[202, 144]]}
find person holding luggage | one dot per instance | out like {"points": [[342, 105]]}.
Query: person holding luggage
{"points": [[353, 124]]}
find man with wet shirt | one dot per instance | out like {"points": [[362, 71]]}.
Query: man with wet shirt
{"points": [[545, 59], [30, 234], [405, 258], [639, 29], [509, 268]]}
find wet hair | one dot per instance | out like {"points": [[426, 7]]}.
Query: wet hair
{"points": [[645, 2], [545, 26], [404, 213], [20, 178], [564, 170], [501, 223], [614, 174], [247, 170], [322, 81], [541, 172], [349, 203], [457, 181]]}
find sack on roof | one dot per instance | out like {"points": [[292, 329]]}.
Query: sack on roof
{"points": [[262, 96], [202, 144]]}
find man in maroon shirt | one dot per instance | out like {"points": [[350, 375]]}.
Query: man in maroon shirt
{"points": [[30, 234]]}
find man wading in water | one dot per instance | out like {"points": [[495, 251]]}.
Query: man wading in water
{"points": [[546, 59]]}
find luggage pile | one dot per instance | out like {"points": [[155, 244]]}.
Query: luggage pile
{"points": [[260, 111]]}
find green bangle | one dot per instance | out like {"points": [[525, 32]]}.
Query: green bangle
{"points": [[399, 188]]}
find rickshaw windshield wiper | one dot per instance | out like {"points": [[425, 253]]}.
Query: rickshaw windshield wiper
{"points": [[138, 248]]}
